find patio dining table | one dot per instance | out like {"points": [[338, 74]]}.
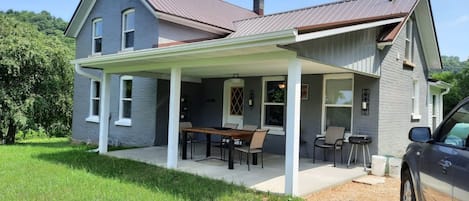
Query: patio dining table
{"points": [[232, 134]]}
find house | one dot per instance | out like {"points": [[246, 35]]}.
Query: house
{"points": [[142, 66]]}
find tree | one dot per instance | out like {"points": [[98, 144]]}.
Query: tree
{"points": [[35, 78]]}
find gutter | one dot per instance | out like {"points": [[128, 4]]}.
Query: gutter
{"points": [[79, 70]]}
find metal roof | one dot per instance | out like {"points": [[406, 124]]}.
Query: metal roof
{"points": [[213, 12], [324, 15]]}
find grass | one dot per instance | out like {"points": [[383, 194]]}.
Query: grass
{"points": [[52, 169]]}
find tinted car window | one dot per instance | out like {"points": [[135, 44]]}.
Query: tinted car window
{"points": [[456, 130]]}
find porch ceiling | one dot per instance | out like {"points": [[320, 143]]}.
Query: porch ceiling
{"points": [[250, 61]]}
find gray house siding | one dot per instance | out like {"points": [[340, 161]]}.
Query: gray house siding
{"points": [[395, 94], [146, 27], [142, 131], [355, 50]]}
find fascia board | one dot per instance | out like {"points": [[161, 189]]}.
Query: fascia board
{"points": [[79, 18]]}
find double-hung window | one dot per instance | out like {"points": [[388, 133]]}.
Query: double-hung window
{"points": [[409, 41], [338, 101], [273, 104], [415, 101], [97, 42], [125, 103], [128, 29], [95, 91]]}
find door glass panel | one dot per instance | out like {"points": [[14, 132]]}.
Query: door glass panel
{"points": [[339, 92], [236, 101], [274, 91], [339, 116]]}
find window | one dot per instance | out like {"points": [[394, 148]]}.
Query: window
{"points": [[97, 35], [415, 100], [338, 101], [95, 91], [128, 29], [273, 104], [125, 103], [455, 130], [409, 41]]}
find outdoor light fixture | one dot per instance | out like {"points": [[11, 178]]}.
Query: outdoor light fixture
{"points": [[235, 78], [251, 98]]}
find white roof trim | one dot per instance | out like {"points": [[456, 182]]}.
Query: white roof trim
{"points": [[336, 31], [440, 84], [192, 23], [76, 22], [273, 38]]}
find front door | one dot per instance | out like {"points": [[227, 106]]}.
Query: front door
{"points": [[233, 96]]}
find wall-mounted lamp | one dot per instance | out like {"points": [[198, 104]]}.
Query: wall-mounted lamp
{"points": [[365, 103], [251, 98]]}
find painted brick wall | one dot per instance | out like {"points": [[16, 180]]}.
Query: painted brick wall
{"points": [[395, 94]]}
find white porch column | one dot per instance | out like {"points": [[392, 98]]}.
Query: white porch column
{"points": [[173, 125], [104, 112], [293, 127]]}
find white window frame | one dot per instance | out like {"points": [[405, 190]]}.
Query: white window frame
{"points": [[124, 121], [324, 105], [124, 31], [275, 130], [93, 37], [92, 117], [409, 42], [415, 97]]}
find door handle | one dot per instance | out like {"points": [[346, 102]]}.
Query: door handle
{"points": [[445, 164]]}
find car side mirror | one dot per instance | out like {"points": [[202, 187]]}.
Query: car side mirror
{"points": [[420, 134]]}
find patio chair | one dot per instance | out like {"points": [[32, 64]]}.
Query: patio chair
{"points": [[247, 127], [333, 139], [256, 146], [224, 140], [191, 138]]}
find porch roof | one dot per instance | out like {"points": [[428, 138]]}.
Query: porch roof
{"points": [[258, 55]]}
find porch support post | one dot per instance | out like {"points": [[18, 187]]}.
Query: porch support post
{"points": [[104, 112], [293, 127], [173, 125]]}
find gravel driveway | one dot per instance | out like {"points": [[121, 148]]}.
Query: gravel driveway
{"points": [[389, 191]]}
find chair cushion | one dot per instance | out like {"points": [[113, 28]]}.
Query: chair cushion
{"points": [[246, 149]]}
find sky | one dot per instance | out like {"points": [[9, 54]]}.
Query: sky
{"points": [[451, 17]]}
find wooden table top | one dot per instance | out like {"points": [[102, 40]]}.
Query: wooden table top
{"points": [[227, 132]]}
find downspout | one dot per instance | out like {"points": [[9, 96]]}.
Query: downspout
{"points": [[79, 70]]}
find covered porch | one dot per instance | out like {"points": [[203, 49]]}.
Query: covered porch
{"points": [[254, 56], [312, 177]]}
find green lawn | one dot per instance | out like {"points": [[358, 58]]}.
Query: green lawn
{"points": [[52, 169]]}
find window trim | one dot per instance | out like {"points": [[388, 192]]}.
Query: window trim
{"points": [[324, 105], [124, 121], [415, 96], [124, 31], [93, 37], [91, 117], [274, 130]]}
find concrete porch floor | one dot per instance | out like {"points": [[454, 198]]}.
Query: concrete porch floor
{"points": [[271, 178]]}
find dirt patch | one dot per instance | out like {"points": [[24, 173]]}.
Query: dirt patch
{"points": [[352, 191]]}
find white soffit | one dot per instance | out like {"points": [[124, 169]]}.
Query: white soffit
{"points": [[341, 30]]}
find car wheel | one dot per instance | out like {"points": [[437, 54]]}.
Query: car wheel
{"points": [[407, 187]]}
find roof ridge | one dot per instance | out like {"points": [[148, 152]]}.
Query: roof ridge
{"points": [[298, 10], [234, 5]]}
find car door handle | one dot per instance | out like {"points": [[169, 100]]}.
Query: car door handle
{"points": [[445, 164]]}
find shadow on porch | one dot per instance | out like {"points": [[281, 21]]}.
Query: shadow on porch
{"points": [[271, 178]]}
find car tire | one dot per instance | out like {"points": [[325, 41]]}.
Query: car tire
{"points": [[407, 187]]}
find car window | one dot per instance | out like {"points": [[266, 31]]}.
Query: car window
{"points": [[456, 130]]}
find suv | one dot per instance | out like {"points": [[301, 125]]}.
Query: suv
{"points": [[436, 167]]}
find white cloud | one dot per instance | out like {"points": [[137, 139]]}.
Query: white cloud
{"points": [[461, 20]]}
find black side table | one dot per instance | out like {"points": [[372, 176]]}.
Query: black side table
{"points": [[359, 140]]}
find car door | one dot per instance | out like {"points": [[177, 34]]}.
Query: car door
{"points": [[460, 165], [444, 162], [443, 159]]}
